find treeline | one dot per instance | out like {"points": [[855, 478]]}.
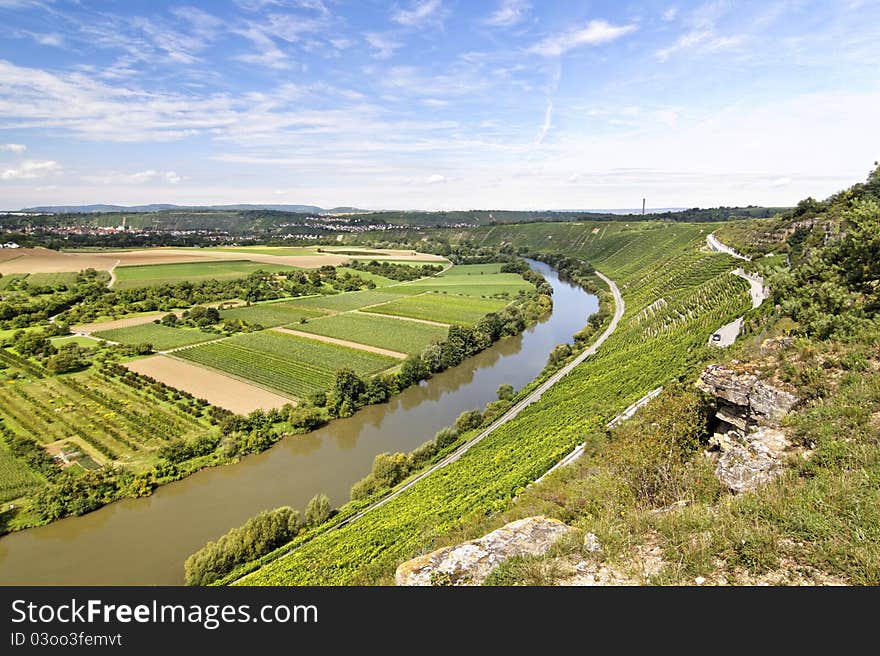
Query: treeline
{"points": [[400, 272], [34, 305]]}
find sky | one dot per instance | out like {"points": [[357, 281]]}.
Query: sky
{"points": [[436, 104]]}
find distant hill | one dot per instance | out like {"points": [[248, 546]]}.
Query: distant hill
{"points": [[95, 209]]}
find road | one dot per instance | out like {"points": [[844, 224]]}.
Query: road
{"points": [[715, 244], [619, 308], [728, 333]]}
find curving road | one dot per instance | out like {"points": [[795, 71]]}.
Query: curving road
{"points": [[715, 244], [619, 308]]}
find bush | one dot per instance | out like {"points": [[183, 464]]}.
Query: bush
{"points": [[468, 420], [445, 436], [259, 535], [318, 510]]}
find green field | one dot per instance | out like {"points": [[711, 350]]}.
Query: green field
{"points": [[280, 251], [65, 277], [161, 337], [288, 364], [157, 274], [648, 349], [115, 421], [79, 340], [271, 314], [16, 479], [347, 301], [464, 310], [483, 280], [381, 281], [375, 330], [8, 279]]}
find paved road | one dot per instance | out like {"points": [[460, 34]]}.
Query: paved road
{"points": [[619, 308], [715, 244], [756, 287]]}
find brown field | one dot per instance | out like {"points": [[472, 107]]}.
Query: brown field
{"points": [[388, 254], [217, 389], [42, 260], [127, 322], [342, 342]]}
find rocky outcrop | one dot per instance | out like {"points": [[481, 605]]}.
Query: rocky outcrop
{"points": [[747, 436], [750, 460], [744, 400], [471, 562]]}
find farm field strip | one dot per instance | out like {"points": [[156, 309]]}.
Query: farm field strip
{"points": [[286, 363], [376, 331], [217, 388], [161, 337], [342, 342], [347, 301], [270, 315], [155, 274], [16, 478], [463, 310]]}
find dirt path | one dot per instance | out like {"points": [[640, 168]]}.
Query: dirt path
{"points": [[112, 272], [394, 316], [342, 342]]}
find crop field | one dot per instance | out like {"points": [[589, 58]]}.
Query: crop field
{"points": [[271, 314], [161, 337], [79, 340], [157, 274], [346, 301], [9, 279], [16, 478], [376, 330], [66, 277], [115, 421], [286, 363], [482, 280], [381, 281], [647, 350], [281, 251], [464, 310]]}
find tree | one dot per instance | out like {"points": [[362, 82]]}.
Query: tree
{"points": [[468, 420], [318, 510], [505, 392], [69, 358]]}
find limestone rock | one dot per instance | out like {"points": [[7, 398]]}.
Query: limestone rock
{"points": [[752, 460], [744, 400], [471, 562], [591, 543]]}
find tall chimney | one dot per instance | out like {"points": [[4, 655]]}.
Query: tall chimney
{"points": [[643, 207]]}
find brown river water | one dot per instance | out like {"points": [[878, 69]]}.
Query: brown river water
{"points": [[145, 541]]}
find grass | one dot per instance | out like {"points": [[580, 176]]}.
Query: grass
{"points": [[161, 337], [463, 310], [85, 342], [8, 279], [270, 314], [375, 330], [285, 363], [346, 301], [65, 277], [157, 274]]}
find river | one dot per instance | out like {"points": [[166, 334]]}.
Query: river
{"points": [[145, 541]]}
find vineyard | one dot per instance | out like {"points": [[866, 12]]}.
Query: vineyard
{"points": [[347, 301], [464, 310], [376, 330], [16, 479], [112, 421], [270, 315], [161, 337], [471, 280], [285, 363], [656, 342]]}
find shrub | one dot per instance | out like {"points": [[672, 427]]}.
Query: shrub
{"points": [[468, 420]]}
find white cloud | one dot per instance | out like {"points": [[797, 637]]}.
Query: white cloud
{"points": [[781, 182], [55, 40], [13, 148], [509, 13], [594, 33], [419, 13], [670, 14], [138, 178], [546, 125], [436, 179], [31, 169], [384, 45], [703, 41]]}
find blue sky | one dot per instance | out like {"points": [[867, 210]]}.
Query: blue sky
{"points": [[436, 104]]}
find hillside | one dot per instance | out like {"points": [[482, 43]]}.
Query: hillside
{"points": [[646, 491]]}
